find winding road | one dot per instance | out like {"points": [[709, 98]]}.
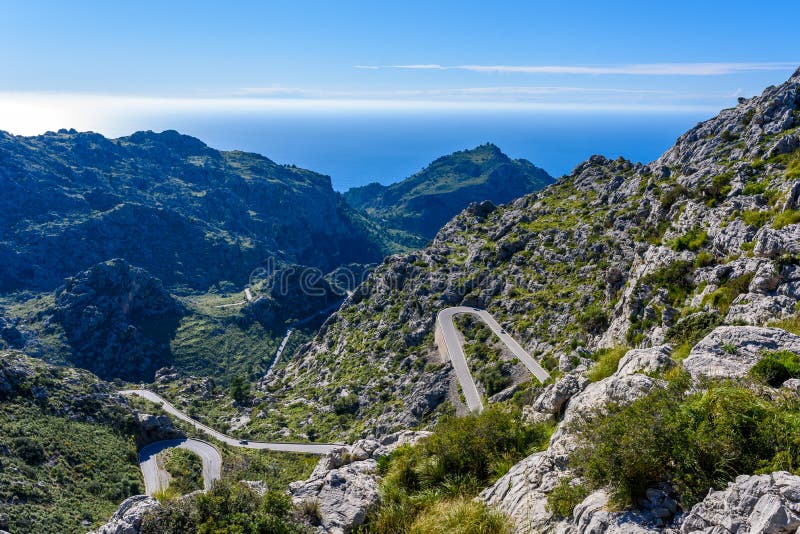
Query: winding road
{"points": [[451, 348], [156, 478], [307, 448]]}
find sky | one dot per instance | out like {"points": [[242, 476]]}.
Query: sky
{"points": [[117, 66]]}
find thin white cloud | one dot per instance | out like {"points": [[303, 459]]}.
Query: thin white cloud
{"points": [[112, 114], [643, 69]]}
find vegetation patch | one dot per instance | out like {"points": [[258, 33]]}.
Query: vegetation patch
{"points": [[785, 218], [693, 441], [186, 470], [229, 507], [563, 499], [692, 240], [777, 367], [607, 362], [756, 218], [428, 487], [676, 278], [722, 297]]}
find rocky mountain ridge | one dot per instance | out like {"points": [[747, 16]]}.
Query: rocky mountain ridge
{"points": [[166, 202], [421, 204]]}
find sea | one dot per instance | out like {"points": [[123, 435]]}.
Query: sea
{"points": [[356, 149]]}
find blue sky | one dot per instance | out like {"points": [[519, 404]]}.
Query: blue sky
{"points": [[117, 66], [312, 50]]}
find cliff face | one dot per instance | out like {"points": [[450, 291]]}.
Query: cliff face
{"points": [[189, 214], [616, 253]]}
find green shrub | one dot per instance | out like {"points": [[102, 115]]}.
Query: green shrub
{"points": [[718, 188], [676, 278], [692, 240], [493, 378], [563, 499], [756, 218], [777, 367], [704, 259], [607, 362], [240, 389], [672, 195], [186, 469], [463, 455], [793, 167], [785, 218], [347, 404], [722, 297], [754, 188], [461, 516], [227, 508], [594, 319], [692, 441], [693, 328]]}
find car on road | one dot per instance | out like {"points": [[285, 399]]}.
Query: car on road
{"points": [[243, 442]]}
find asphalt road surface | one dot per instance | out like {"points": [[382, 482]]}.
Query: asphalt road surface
{"points": [[308, 448], [156, 478], [451, 348]]}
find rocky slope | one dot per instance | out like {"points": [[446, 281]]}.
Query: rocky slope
{"points": [[189, 214], [67, 447], [616, 254], [424, 202]]}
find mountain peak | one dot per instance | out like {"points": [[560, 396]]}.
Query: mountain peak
{"points": [[422, 203], [747, 130]]}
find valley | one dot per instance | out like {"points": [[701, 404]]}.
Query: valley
{"points": [[572, 355]]}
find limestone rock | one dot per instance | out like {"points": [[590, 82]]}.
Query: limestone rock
{"points": [[730, 351], [592, 516], [118, 319], [344, 495], [752, 504], [648, 360], [344, 486], [771, 243], [522, 492], [128, 517], [552, 400]]}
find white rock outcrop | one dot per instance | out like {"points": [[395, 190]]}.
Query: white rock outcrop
{"points": [[128, 517], [344, 485], [522, 492], [768, 504], [730, 351]]}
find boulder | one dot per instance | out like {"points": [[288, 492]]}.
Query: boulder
{"points": [[730, 351], [771, 243], [128, 517], [342, 496], [344, 486], [649, 360], [757, 309], [767, 503], [592, 515], [551, 402]]}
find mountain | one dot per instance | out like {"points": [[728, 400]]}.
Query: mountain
{"points": [[166, 202], [670, 287], [68, 449], [421, 204]]}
